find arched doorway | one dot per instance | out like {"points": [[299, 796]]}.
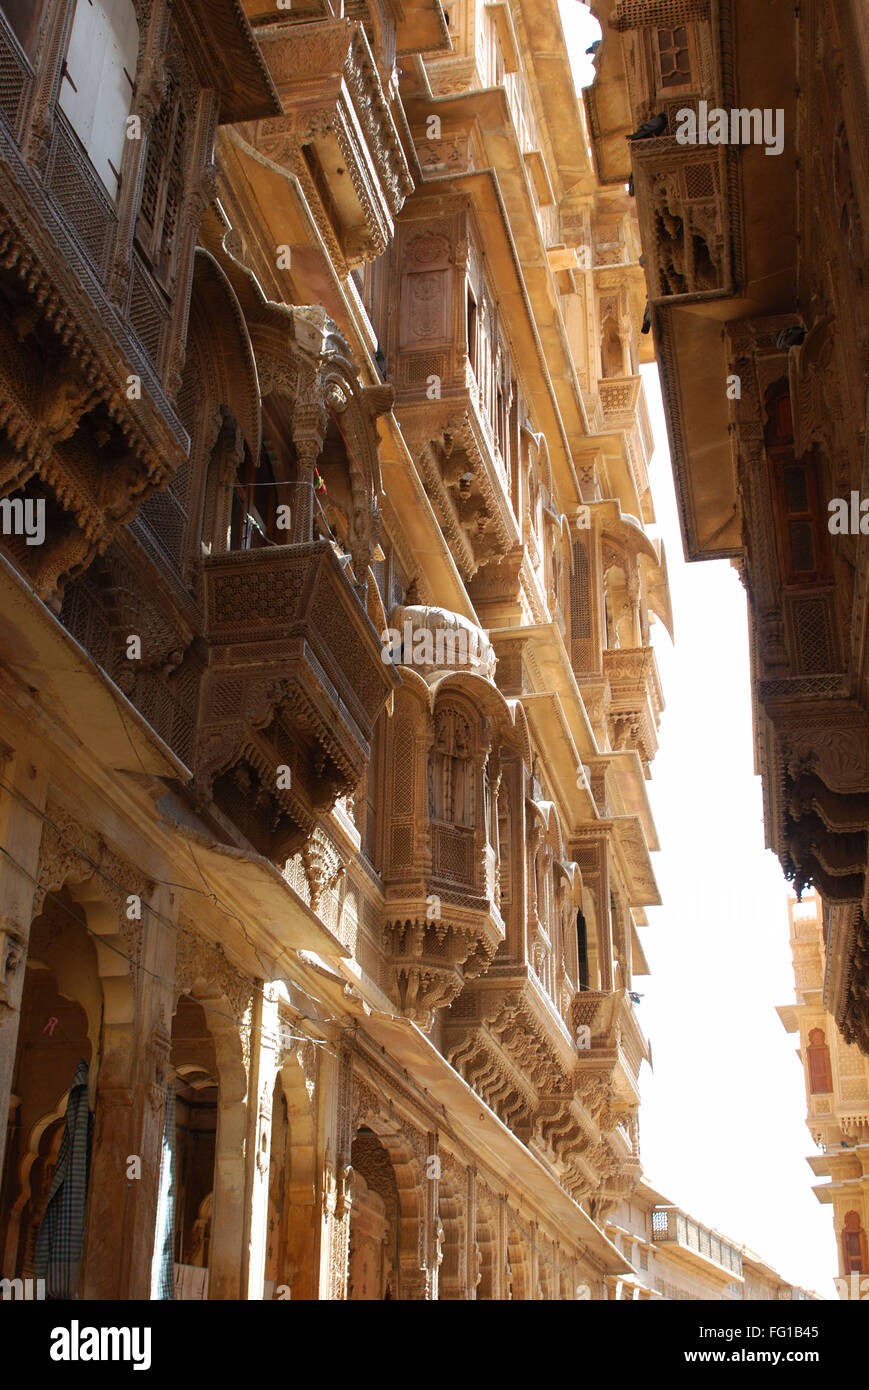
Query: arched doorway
{"points": [[61, 1011], [375, 1267], [293, 1215], [196, 1093]]}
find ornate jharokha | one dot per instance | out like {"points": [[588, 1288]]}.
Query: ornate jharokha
{"points": [[281, 727], [454, 754]]}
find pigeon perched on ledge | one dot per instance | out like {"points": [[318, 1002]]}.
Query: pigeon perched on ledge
{"points": [[790, 337], [649, 129], [647, 319], [593, 47]]}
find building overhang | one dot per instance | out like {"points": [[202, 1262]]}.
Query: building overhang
{"points": [[72, 689], [633, 792], [564, 123], [421, 27], [220, 41], [258, 891]]}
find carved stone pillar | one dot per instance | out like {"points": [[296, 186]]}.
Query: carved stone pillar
{"points": [[473, 1266], [335, 1135], [535, 1264], [310, 419], [432, 1232], [499, 1274], [228, 1249], [134, 1065], [20, 835], [227, 452], [264, 1066]]}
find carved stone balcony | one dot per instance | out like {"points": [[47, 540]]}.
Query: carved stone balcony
{"points": [[702, 1247], [453, 444], [636, 699], [686, 216], [617, 1046], [504, 1037], [294, 683], [337, 134]]}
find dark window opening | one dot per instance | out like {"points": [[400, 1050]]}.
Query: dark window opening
{"points": [[582, 950], [472, 331], [255, 506]]}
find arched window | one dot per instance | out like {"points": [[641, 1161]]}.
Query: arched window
{"points": [[818, 1054], [854, 1254], [453, 792], [99, 76]]}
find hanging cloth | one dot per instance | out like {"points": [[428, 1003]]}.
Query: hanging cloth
{"points": [[163, 1262], [60, 1242]]}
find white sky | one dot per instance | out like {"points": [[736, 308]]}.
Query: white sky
{"points": [[723, 1116]]}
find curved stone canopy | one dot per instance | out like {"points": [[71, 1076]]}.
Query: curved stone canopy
{"points": [[435, 640]]}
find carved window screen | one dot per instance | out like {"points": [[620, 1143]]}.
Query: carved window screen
{"points": [[854, 1245], [674, 57], [820, 1071], [163, 188], [166, 514], [373, 797], [801, 528], [453, 789], [580, 610]]}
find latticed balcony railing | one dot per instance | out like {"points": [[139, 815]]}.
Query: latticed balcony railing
{"points": [[671, 1226]]}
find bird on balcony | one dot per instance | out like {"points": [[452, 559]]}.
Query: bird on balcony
{"points": [[790, 337], [647, 319], [656, 125], [631, 186], [593, 47]]}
